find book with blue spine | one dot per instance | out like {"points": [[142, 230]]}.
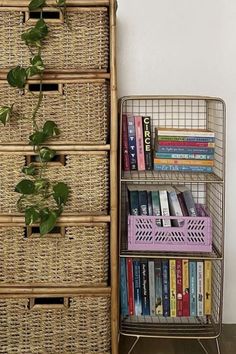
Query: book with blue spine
{"points": [[165, 287], [193, 287], [202, 139], [185, 150], [143, 202], [133, 200], [183, 168], [158, 287], [163, 155], [132, 143], [137, 289], [145, 288], [123, 288]]}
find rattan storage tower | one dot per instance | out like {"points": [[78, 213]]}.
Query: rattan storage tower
{"points": [[193, 112], [58, 293]]}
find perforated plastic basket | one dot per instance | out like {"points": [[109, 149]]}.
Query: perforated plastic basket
{"points": [[194, 234]]}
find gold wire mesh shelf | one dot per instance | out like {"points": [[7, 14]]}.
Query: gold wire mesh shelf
{"points": [[174, 327]]}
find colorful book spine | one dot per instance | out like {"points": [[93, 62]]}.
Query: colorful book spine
{"points": [[151, 278], [200, 291], [158, 287], [123, 288], [179, 287], [193, 287], [145, 288], [186, 143], [165, 288], [184, 150], [184, 132], [130, 285], [139, 142], [186, 298], [201, 139], [184, 168], [175, 209], [143, 202], [156, 207], [147, 142], [207, 287], [137, 288], [164, 208], [163, 155], [184, 162], [132, 143], [172, 265], [133, 202], [125, 143]]}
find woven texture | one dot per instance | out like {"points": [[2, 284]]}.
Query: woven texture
{"points": [[81, 113], [80, 257], [83, 46], [83, 328], [86, 175]]}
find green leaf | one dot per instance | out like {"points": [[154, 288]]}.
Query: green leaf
{"points": [[37, 138], [31, 215], [36, 4], [17, 77], [35, 35], [47, 154], [61, 2], [41, 184], [50, 129], [29, 170], [37, 62], [25, 187], [5, 114], [61, 193], [42, 28], [48, 223]]}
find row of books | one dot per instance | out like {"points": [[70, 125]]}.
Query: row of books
{"points": [[136, 143], [184, 150], [175, 287], [162, 201]]}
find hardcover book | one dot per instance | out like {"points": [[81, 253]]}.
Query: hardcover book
{"points": [[158, 287], [151, 277], [130, 285], [184, 150], [133, 200], [147, 142], [132, 143], [125, 144], [139, 142], [172, 265], [193, 287], [165, 288], [137, 288], [183, 168], [200, 294], [156, 207], [179, 287], [188, 199], [207, 286], [175, 208], [145, 288], [186, 297], [123, 288], [143, 202], [164, 207]]}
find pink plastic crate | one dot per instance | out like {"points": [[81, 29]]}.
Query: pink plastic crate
{"points": [[194, 234]]}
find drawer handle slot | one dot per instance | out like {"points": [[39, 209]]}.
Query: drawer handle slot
{"points": [[58, 160], [34, 231], [49, 15], [48, 303], [46, 88]]}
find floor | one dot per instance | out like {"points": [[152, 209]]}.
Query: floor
{"points": [[167, 346]]}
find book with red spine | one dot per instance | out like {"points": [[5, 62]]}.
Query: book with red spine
{"points": [[185, 281], [130, 285], [179, 287], [186, 143], [125, 144], [139, 142]]}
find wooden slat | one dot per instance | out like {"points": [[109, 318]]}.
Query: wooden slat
{"points": [[65, 149], [63, 77], [70, 3], [64, 220]]}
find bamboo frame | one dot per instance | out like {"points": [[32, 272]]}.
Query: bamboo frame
{"points": [[52, 77], [70, 3], [65, 220], [52, 292]]}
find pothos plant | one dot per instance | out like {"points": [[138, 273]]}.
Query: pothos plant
{"points": [[36, 191]]}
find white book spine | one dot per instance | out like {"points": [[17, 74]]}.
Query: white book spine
{"points": [[151, 275], [200, 289], [164, 208], [193, 133]]}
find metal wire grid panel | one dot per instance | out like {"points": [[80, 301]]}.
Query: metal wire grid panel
{"points": [[183, 112], [204, 327]]}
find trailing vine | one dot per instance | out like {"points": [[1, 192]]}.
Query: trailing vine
{"points": [[36, 191]]}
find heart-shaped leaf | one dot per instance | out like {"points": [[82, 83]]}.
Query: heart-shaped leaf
{"points": [[41, 184], [29, 170], [61, 193], [48, 223], [50, 129], [25, 187], [42, 27], [32, 215], [37, 62], [17, 77], [47, 154], [36, 4], [5, 114], [37, 138]]}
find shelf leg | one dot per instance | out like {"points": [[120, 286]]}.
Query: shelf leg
{"points": [[134, 344], [204, 348]]}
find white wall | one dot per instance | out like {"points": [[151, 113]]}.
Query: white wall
{"points": [[186, 47]]}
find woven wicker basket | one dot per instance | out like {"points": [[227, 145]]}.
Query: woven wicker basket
{"points": [[83, 46], [80, 109], [86, 173], [83, 327], [55, 258]]}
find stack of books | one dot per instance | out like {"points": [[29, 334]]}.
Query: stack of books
{"points": [[184, 150], [136, 143], [162, 287]]}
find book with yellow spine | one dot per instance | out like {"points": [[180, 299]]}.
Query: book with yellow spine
{"points": [[172, 288], [207, 287], [183, 162]]}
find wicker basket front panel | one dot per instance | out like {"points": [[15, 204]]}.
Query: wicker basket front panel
{"points": [[84, 45], [81, 113], [83, 328], [80, 257], [86, 174]]}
